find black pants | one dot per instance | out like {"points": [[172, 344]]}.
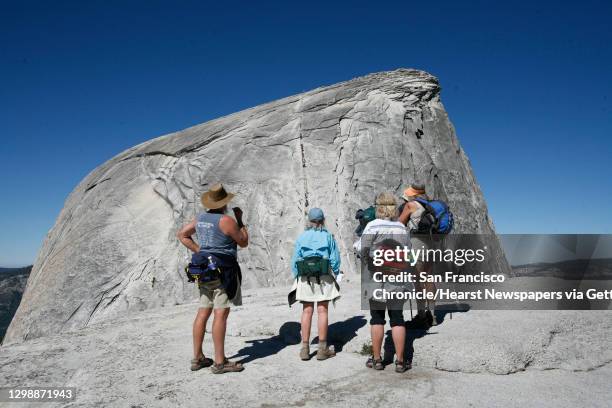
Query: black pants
{"points": [[394, 308]]}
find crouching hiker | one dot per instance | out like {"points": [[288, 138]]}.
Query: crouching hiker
{"points": [[315, 265], [214, 266], [428, 221]]}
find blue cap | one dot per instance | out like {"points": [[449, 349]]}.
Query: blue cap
{"points": [[315, 214]]}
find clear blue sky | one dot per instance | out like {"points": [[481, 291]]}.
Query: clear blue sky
{"points": [[527, 85]]}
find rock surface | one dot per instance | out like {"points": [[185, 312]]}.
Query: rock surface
{"points": [[113, 250], [475, 358]]}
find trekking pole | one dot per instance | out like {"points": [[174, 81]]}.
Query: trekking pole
{"points": [[454, 286], [410, 300], [443, 248]]}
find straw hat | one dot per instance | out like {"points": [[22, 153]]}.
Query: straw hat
{"points": [[216, 197]]}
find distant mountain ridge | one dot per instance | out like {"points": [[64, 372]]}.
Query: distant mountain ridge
{"points": [[16, 270], [12, 285], [599, 268]]}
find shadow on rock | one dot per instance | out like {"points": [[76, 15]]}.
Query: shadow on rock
{"points": [[415, 330], [443, 310], [288, 334], [340, 333]]}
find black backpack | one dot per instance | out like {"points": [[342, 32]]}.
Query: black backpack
{"points": [[364, 217]]}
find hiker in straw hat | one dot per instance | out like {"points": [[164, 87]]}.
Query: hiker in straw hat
{"points": [[218, 237]]}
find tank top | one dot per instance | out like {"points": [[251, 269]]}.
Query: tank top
{"points": [[415, 217], [210, 236]]}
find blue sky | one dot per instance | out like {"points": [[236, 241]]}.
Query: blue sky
{"points": [[526, 84]]}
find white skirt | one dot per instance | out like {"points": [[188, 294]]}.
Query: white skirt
{"points": [[315, 292]]}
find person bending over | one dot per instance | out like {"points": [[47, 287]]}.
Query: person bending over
{"points": [[411, 217]]}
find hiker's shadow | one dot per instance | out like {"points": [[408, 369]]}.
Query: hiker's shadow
{"points": [[448, 309], [340, 333], [415, 330], [288, 334]]}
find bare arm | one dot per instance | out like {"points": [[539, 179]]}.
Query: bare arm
{"points": [[229, 227], [409, 208], [184, 235]]}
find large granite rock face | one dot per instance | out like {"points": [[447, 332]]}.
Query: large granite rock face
{"points": [[113, 248]]}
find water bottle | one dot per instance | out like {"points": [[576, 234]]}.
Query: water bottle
{"points": [[211, 264]]}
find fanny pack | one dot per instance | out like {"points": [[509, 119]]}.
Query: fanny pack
{"points": [[203, 269], [313, 267]]}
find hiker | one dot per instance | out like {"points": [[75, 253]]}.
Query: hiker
{"points": [[218, 236], [411, 215], [385, 231], [315, 266]]}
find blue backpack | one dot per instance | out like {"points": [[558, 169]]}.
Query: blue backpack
{"points": [[437, 218]]}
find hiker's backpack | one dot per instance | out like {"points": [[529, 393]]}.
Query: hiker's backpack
{"points": [[393, 266], [364, 216], [437, 218]]}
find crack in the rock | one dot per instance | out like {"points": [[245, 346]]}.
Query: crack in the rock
{"points": [[531, 359], [99, 302], [323, 105], [595, 367], [88, 188], [211, 139], [149, 154], [303, 155], [73, 313]]}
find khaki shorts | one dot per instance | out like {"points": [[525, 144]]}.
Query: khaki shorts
{"points": [[212, 295]]}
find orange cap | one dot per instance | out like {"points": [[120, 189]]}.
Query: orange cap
{"points": [[412, 192]]}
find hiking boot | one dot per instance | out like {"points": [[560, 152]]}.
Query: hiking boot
{"points": [[305, 352], [323, 352]]}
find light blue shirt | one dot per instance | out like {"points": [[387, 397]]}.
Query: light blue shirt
{"points": [[316, 242]]}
